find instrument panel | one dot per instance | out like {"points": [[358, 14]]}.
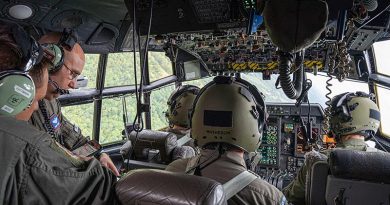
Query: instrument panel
{"points": [[286, 140]]}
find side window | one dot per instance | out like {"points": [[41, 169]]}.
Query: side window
{"points": [[384, 98], [382, 60], [382, 63], [160, 66], [120, 69], [158, 106], [82, 116], [112, 124], [90, 69]]}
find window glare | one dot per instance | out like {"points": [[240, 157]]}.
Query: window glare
{"points": [[383, 98], [382, 59], [318, 90]]}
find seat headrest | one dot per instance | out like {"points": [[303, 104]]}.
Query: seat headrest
{"points": [[368, 166], [165, 142], [149, 186]]}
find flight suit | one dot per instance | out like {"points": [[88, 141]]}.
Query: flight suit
{"points": [[227, 167], [49, 118], [295, 191], [35, 170]]}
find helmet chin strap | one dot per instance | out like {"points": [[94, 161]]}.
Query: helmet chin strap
{"points": [[57, 88]]}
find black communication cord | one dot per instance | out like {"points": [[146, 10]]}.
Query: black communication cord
{"points": [[138, 92], [198, 167]]}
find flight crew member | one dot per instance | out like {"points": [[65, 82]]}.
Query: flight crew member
{"points": [[68, 62], [180, 104], [227, 122], [33, 169], [179, 107], [354, 119]]}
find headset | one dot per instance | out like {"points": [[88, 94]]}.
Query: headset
{"points": [[172, 100], [340, 108], [16, 86], [55, 52], [257, 95]]}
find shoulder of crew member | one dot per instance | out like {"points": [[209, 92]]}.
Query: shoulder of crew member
{"points": [[264, 193], [39, 172]]}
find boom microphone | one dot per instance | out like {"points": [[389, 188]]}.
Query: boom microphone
{"points": [[58, 89]]}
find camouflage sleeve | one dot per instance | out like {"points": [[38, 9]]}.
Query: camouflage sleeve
{"points": [[295, 191], [52, 179], [71, 133]]}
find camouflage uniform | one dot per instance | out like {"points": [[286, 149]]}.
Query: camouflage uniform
{"points": [[35, 170], [48, 118], [228, 166], [295, 191]]}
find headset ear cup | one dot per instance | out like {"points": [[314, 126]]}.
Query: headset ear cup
{"points": [[55, 54], [17, 92]]}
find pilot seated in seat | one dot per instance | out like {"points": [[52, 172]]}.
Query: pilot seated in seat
{"points": [[227, 122], [354, 119], [180, 103], [179, 107]]}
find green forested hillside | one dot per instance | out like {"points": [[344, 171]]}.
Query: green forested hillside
{"points": [[120, 72]]}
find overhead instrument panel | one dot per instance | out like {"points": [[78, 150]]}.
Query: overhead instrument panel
{"points": [[171, 16]]}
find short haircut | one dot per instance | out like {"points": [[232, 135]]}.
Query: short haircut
{"points": [[11, 55], [37, 72], [10, 52]]}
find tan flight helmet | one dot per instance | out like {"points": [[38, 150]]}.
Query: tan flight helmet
{"points": [[229, 110], [180, 105], [354, 113]]}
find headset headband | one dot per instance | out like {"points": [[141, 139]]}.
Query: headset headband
{"points": [[182, 89]]}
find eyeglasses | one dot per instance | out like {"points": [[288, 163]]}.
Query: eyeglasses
{"points": [[73, 74]]}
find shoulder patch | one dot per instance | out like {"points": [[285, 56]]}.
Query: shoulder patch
{"points": [[55, 122]]}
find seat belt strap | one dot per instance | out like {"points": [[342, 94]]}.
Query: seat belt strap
{"points": [[183, 140], [239, 182]]}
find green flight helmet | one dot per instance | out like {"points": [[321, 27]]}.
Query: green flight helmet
{"points": [[180, 104], [354, 113], [231, 111]]}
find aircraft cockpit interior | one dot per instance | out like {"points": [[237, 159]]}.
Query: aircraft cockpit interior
{"points": [[298, 54]]}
